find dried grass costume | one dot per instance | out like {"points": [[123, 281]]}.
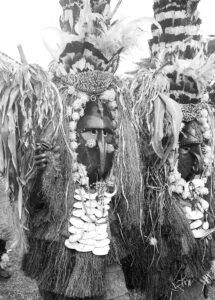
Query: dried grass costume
{"points": [[173, 110]]}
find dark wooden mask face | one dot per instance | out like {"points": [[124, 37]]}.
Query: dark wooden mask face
{"points": [[96, 128], [190, 151]]}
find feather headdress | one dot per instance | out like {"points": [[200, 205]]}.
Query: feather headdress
{"points": [[95, 43]]}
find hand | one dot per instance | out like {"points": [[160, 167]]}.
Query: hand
{"points": [[41, 160], [42, 154]]}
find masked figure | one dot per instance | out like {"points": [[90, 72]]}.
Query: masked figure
{"points": [[75, 243], [85, 206], [179, 207]]}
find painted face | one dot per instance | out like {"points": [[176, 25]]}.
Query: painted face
{"points": [[190, 153], [96, 139]]}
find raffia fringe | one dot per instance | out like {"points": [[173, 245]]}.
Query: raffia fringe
{"points": [[63, 271]]}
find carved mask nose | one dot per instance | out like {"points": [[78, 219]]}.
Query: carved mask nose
{"points": [[198, 162], [102, 151]]}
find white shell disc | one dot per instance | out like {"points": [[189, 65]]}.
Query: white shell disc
{"points": [[101, 228], [75, 230], [89, 235], [92, 196], [80, 191], [90, 211], [102, 243], [70, 245], [89, 227], [101, 221], [101, 251], [107, 200], [78, 204], [88, 218], [78, 212], [90, 242], [205, 225], [80, 197], [195, 215], [84, 248], [91, 203], [201, 233], [98, 213], [204, 204], [196, 224], [102, 236], [76, 222], [75, 238]]}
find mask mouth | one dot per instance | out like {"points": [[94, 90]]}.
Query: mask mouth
{"points": [[98, 164], [101, 170]]}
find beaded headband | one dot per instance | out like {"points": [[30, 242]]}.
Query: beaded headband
{"points": [[90, 82]]}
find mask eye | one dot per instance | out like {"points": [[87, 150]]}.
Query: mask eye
{"points": [[184, 150], [94, 131], [105, 132]]}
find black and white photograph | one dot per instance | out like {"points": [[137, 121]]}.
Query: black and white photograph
{"points": [[107, 150]]}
